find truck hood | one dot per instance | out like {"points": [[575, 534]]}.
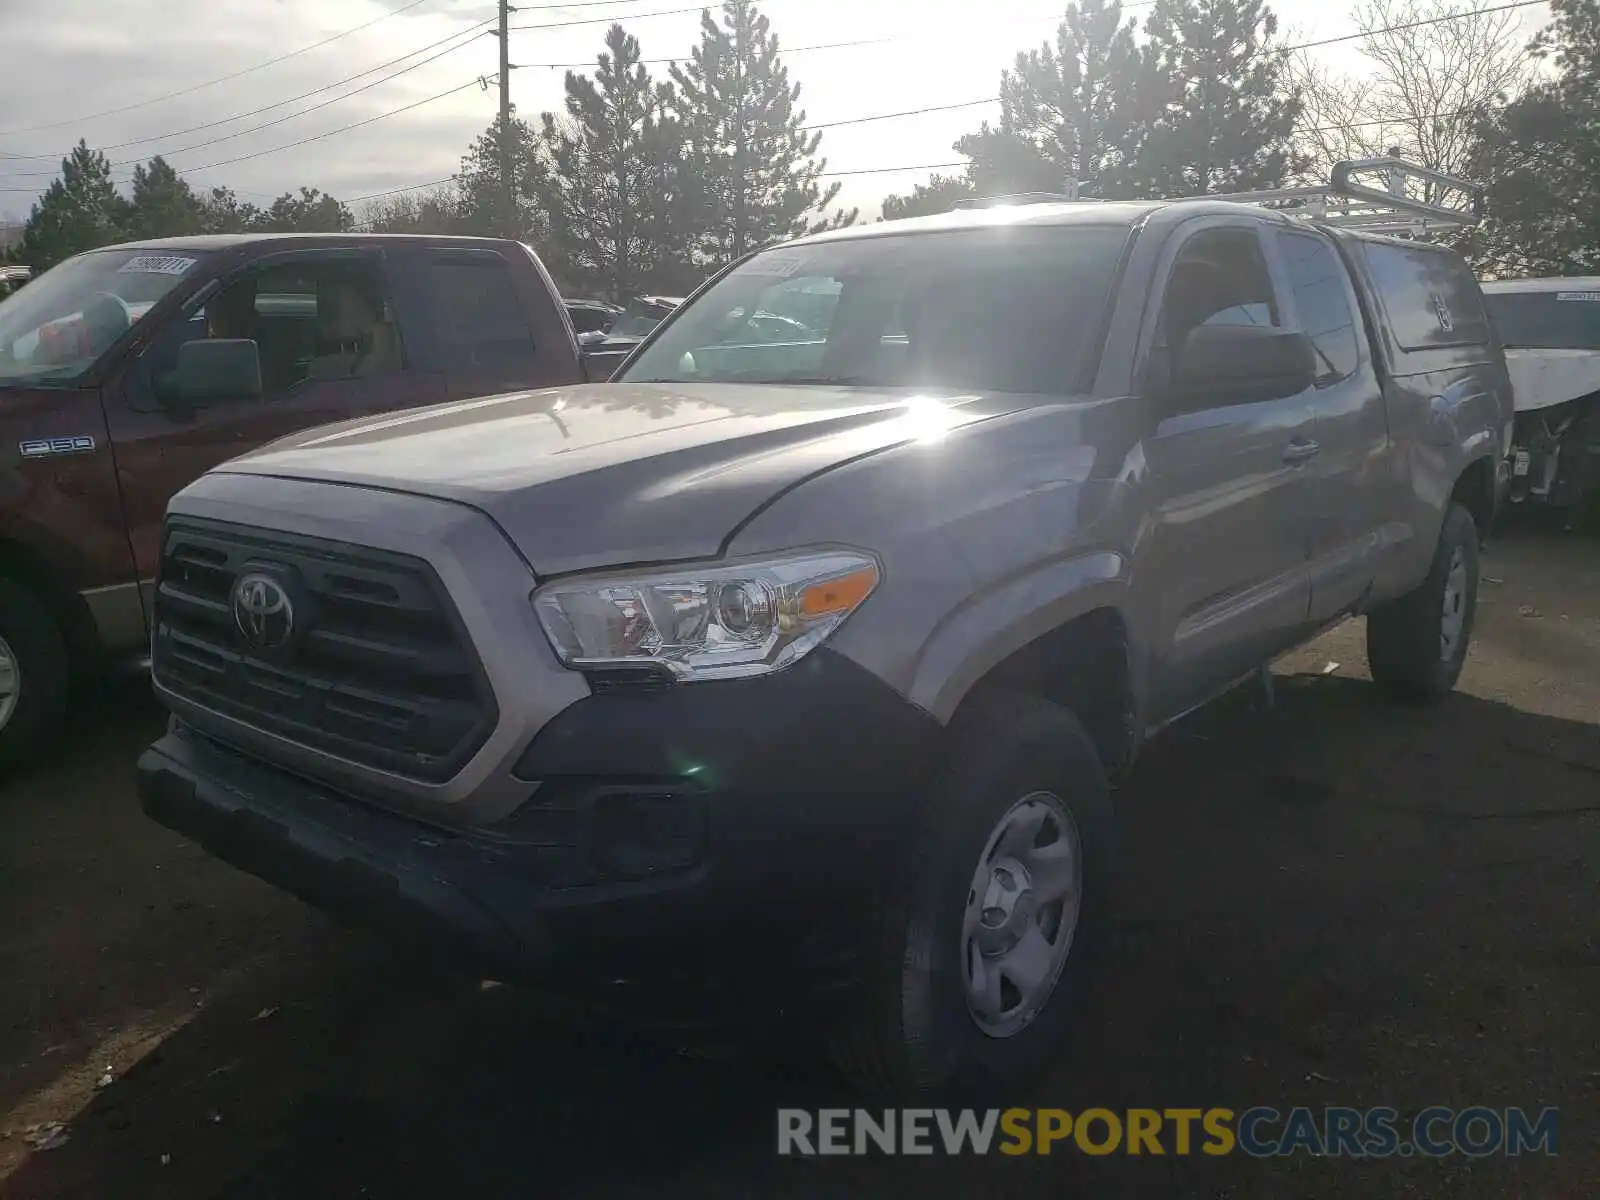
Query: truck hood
{"points": [[603, 474]]}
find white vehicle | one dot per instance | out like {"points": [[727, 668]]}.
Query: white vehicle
{"points": [[1551, 332]]}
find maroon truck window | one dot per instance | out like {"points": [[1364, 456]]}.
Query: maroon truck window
{"points": [[485, 326]]}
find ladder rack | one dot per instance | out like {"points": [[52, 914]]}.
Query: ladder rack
{"points": [[1372, 194], [1375, 195]]}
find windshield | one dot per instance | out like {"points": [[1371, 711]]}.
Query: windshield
{"points": [[998, 309], [56, 327], [1568, 320]]}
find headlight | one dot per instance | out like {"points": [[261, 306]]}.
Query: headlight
{"points": [[714, 622]]}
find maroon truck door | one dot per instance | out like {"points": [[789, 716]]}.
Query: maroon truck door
{"points": [[330, 326], [58, 492]]}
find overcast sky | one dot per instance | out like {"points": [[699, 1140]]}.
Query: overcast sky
{"points": [[106, 70]]}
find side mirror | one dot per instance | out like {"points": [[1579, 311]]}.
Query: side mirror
{"points": [[1222, 364], [213, 370]]}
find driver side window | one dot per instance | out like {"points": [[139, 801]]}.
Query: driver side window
{"points": [[311, 321], [1219, 278]]}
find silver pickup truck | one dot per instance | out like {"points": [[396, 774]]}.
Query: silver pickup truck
{"points": [[772, 671]]}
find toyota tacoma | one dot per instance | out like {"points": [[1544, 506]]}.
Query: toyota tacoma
{"points": [[780, 669]]}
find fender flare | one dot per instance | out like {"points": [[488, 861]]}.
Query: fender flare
{"points": [[995, 623]]}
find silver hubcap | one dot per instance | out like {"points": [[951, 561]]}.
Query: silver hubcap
{"points": [[10, 683], [1022, 911], [1453, 621]]}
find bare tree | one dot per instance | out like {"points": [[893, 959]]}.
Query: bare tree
{"points": [[1430, 81], [436, 210]]}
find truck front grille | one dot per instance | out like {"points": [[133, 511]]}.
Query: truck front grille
{"points": [[371, 665]]}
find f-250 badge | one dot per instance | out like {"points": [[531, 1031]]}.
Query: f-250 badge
{"points": [[47, 447]]}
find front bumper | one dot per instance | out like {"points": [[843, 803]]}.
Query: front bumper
{"points": [[744, 826]]}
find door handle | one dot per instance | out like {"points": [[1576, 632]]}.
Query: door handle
{"points": [[1299, 451]]}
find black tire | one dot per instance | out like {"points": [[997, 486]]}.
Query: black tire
{"points": [[43, 674], [914, 1034], [1405, 650]]}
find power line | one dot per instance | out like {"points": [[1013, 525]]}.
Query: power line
{"points": [[228, 137], [686, 57], [667, 12], [399, 191], [189, 91], [393, 112], [474, 30], [674, 12], [879, 41], [894, 170], [1454, 16], [271, 62], [910, 112]]}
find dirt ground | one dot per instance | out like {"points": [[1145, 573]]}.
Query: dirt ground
{"points": [[1339, 902]]}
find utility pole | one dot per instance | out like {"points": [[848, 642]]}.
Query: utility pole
{"points": [[508, 183], [739, 135]]}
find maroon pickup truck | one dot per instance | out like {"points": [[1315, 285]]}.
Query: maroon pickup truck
{"points": [[127, 372]]}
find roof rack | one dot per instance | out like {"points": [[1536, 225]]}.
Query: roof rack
{"points": [[1372, 194]]}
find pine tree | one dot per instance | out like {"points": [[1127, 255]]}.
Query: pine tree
{"points": [[753, 171], [164, 205], [1075, 110], [482, 196], [608, 194], [1540, 159], [938, 195], [1227, 115], [79, 211], [312, 211], [222, 212]]}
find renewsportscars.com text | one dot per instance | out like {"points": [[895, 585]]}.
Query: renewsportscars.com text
{"points": [[1259, 1132]]}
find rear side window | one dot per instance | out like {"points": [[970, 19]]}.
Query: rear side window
{"points": [[485, 325], [1429, 295], [1317, 277]]}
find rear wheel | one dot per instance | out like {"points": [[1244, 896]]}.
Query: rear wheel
{"points": [[1001, 906], [1417, 645], [35, 674]]}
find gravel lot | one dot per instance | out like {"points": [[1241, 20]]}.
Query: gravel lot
{"points": [[1339, 902]]}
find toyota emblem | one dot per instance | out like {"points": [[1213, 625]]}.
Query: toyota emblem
{"points": [[262, 611]]}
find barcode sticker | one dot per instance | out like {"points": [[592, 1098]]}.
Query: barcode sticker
{"points": [[154, 264], [1581, 297]]}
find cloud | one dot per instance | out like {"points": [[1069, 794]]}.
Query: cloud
{"points": [[85, 69]]}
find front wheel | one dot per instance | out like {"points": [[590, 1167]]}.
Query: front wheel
{"points": [[1417, 645], [1002, 904], [34, 674]]}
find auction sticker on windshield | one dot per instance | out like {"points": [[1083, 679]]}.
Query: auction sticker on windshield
{"points": [[779, 266], [149, 264], [1591, 297]]}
